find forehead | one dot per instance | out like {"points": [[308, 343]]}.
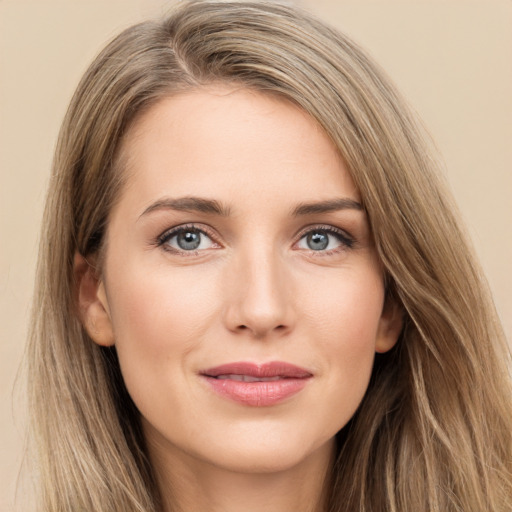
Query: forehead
{"points": [[230, 143]]}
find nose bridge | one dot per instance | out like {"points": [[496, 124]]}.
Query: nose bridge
{"points": [[260, 301]]}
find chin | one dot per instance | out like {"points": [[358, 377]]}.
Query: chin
{"points": [[273, 454]]}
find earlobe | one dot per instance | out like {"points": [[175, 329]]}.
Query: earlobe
{"points": [[390, 326], [92, 302]]}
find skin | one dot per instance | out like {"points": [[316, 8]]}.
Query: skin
{"points": [[253, 291]]}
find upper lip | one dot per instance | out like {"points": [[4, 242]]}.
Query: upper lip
{"points": [[270, 369]]}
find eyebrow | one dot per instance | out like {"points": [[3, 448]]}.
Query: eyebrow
{"points": [[211, 206], [189, 204], [331, 205]]}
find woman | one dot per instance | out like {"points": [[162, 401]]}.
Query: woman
{"points": [[253, 292]]}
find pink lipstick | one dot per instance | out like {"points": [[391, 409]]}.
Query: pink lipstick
{"points": [[257, 385]]}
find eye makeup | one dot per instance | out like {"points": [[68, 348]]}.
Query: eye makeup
{"points": [[190, 239]]}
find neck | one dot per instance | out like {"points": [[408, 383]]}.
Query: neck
{"points": [[187, 483]]}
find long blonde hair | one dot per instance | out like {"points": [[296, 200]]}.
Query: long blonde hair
{"points": [[434, 431]]}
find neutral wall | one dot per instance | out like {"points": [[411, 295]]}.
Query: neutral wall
{"points": [[452, 59]]}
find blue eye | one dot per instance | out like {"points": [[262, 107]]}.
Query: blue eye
{"points": [[324, 240], [187, 239]]}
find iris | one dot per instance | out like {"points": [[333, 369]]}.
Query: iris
{"points": [[317, 240], [188, 240]]}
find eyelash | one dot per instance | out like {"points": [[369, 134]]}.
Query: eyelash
{"points": [[347, 241], [163, 239]]}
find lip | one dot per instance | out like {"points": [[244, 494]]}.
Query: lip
{"points": [[286, 380]]}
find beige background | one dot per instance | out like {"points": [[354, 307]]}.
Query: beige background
{"points": [[451, 58]]}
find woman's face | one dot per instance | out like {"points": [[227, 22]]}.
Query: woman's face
{"points": [[240, 284]]}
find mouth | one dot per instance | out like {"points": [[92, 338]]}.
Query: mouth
{"points": [[248, 378], [257, 385]]}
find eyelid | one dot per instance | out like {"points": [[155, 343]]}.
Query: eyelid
{"points": [[346, 239], [169, 233]]}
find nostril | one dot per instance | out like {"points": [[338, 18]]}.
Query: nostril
{"points": [[280, 327], [259, 333]]}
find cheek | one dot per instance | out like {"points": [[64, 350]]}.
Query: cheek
{"points": [[158, 318], [346, 317], [347, 309], [155, 307]]}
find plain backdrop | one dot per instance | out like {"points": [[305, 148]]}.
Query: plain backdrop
{"points": [[451, 58]]}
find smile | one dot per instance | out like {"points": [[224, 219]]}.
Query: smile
{"points": [[257, 385]]}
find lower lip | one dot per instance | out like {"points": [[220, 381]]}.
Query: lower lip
{"points": [[257, 394]]}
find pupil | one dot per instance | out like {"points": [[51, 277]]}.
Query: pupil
{"points": [[189, 240], [317, 241]]}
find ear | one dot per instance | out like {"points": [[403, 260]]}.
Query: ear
{"points": [[92, 302], [390, 326]]}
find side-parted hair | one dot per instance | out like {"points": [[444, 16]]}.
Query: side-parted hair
{"points": [[434, 431]]}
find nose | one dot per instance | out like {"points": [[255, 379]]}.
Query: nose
{"points": [[260, 296]]}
